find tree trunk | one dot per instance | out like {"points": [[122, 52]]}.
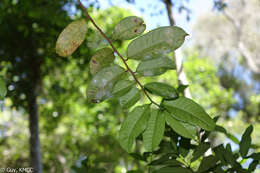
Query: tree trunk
{"points": [[35, 150], [177, 56]]}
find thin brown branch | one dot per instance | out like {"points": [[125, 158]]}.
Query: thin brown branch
{"points": [[116, 51]]}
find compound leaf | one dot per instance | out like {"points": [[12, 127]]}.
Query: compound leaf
{"points": [[155, 66], [100, 87], [153, 134], [122, 87], [130, 98], [184, 129], [71, 38], [133, 126], [102, 58], [156, 42], [187, 110], [128, 28], [161, 89]]}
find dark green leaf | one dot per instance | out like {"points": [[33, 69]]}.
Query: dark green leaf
{"points": [[167, 159], [161, 89], [255, 156], [207, 163], [135, 172], [102, 58], [96, 170], [130, 98], [71, 38], [122, 87], [173, 170], [155, 66], [153, 134], [245, 142], [133, 126], [200, 150], [253, 165], [138, 156], [184, 129], [158, 41], [100, 87], [220, 153], [184, 146], [3, 89], [229, 157], [128, 28], [187, 110], [181, 88]]}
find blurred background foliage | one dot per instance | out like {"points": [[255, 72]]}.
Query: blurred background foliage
{"points": [[220, 77]]}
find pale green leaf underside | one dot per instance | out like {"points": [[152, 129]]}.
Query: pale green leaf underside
{"points": [[156, 42], [184, 129], [122, 87], [161, 89], [155, 66], [100, 87], [102, 58], [153, 134], [71, 38], [130, 98], [133, 126], [3, 89], [128, 28], [187, 110]]}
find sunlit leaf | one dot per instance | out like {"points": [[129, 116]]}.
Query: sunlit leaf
{"points": [[71, 38], [245, 142], [173, 170], [153, 134], [102, 58], [130, 98], [155, 66], [3, 89], [200, 150], [122, 87], [207, 163], [133, 126], [156, 42], [184, 129], [100, 87], [187, 110], [161, 89], [128, 28]]}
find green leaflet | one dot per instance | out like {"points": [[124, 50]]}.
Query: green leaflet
{"points": [[173, 170], [155, 66], [100, 87], [187, 110], [122, 87], [153, 134], [200, 150], [156, 42], [133, 126], [130, 98], [102, 58], [167, 159], [128, 28], [207, 163], [71, 38], [3, 89], [161, 89], [245, 142], [220, 153], [184, 129]]}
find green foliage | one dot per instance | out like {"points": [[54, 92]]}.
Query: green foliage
{"points": [[161, 89], [246, 141], [156, 42], [3, 89], [155, 66], [128, 28]]}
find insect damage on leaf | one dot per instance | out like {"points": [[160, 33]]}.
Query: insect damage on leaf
{"points": [[71, 38]]}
